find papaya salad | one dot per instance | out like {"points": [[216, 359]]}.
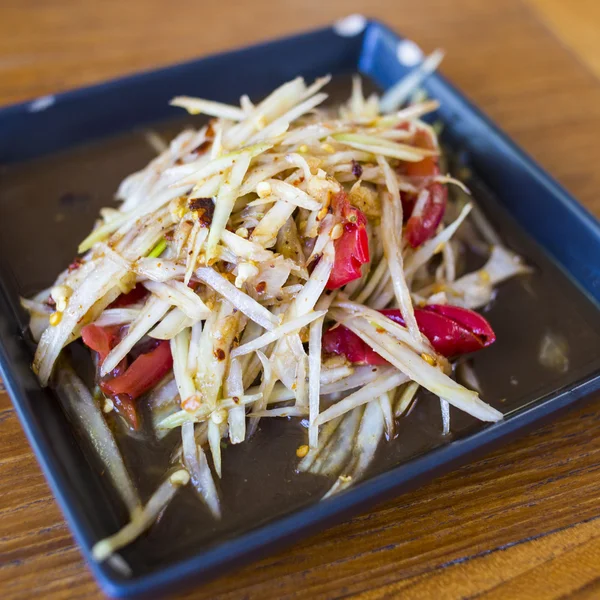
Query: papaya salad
{"points": [[285, 261]]}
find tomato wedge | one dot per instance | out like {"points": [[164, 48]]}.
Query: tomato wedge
{"points": [[451, 330], [143, 373], [124, 384], [343, 342], [352, 248], [100, 339], [422, 226]]}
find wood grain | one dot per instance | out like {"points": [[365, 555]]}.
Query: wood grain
{"points": [[521, 523], [576, 24]]}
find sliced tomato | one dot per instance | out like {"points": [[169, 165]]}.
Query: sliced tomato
{"points": [[143, 373], [428, 166], [343, 342], [100, 339], [352, 248], [421, 227]]}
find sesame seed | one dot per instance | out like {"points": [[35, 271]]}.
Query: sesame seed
{"points": [[428, 359], [337, 231], [302, 451], [55, 318]]}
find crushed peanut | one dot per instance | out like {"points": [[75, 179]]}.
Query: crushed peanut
{"points": [[191, 404], [263, 189], [181, 477]]}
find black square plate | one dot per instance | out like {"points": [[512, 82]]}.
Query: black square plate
{"points": [[62, 158]]}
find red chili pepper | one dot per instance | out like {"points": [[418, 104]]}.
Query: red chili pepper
{"points": [[135, 295], [143, 373], [352, 248], [421, 227], [450, 329], [100, 339], [467, 319]]}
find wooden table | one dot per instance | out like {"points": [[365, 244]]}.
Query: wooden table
{"points": [[520, 523]]}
